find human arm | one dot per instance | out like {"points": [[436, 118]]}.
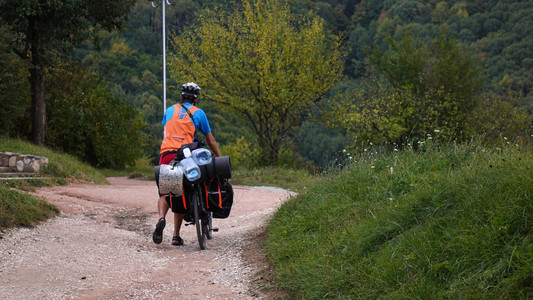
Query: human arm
{"points": [[210, 139]]}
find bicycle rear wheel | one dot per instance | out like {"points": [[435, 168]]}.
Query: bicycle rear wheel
{"points": [[198, 218], [209, 229]]}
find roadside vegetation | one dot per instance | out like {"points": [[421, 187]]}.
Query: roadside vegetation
{"points": [[20, 209], [61, 166], [438, 222]]}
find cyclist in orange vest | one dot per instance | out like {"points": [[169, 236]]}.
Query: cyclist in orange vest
{"points": [[181, 121]]}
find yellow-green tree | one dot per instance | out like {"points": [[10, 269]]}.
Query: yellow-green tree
{"points": [[425, 88], [261, 62]]}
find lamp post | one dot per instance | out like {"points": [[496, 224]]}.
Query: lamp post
{"points": [[163, 4]]}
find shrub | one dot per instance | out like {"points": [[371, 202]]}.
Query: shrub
{"points": [[85, 120]]}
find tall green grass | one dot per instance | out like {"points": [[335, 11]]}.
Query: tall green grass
{"points": [[19, 209], [439, 223]]}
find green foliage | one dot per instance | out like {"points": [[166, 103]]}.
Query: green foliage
{"points": [[498, 117], [14, 88], [131, 62], [54, 26], [448, 223], [242, 153], [86, 121], [441, 84], [499, 32], [319, 145], [496, 32], [426, 89], [262, 63], [288, 158], [45, 30]]}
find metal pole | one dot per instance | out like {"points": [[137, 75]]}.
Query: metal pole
{"points": [[164, 61], [164, 38]]}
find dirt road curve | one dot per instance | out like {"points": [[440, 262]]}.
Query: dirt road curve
{"points": [[100, 247]]}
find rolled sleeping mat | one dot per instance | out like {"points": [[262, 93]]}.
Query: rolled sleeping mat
{"points": [[156, 173], [222, 167]]}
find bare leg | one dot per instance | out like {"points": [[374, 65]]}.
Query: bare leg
{"points": [[162, 207], [178, 219]]}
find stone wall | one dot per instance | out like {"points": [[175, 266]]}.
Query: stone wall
{"points": [[21, 163]]}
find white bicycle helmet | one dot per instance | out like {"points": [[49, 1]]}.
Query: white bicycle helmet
{"points": [[190, 90]]}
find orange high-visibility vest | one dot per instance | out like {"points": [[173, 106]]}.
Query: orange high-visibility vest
{"points": [[179, 130]]}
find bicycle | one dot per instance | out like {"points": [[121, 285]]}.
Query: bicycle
{"points": [[170, 180], [202, 219]]}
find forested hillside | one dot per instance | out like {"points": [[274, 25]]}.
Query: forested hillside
{"points": [[498, 34]]}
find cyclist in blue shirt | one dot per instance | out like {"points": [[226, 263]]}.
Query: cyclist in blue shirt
{"points": [[181, 122]]}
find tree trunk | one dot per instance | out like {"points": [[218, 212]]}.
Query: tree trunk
{"points": [[274, 153], [38, 105], [37, 71]]}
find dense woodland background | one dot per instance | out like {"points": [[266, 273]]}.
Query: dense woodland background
{"points": [[104, 94]]}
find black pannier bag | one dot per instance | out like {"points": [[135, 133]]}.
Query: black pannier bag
{"points": [[218, 197], [179, 204]]}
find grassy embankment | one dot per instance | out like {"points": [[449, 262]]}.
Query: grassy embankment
{"points": [[453, 223], [20, 209]]}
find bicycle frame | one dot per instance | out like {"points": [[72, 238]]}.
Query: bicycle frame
{"points": [[202, 218]]}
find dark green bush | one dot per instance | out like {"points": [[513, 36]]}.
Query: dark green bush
{"points": [[85, 120], [14, 89]]}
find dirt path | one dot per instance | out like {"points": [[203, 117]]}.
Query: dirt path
{"points": [[100, 247]]}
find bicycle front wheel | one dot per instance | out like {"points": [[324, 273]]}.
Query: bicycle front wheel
{"points": [[209, 229], [198, 223]]}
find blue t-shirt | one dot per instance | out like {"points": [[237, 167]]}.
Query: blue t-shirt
{"points": [[199, 119]]}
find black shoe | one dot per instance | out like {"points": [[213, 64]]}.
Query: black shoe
{"points": [[188, 218], [158, 233], [177, 241]]}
